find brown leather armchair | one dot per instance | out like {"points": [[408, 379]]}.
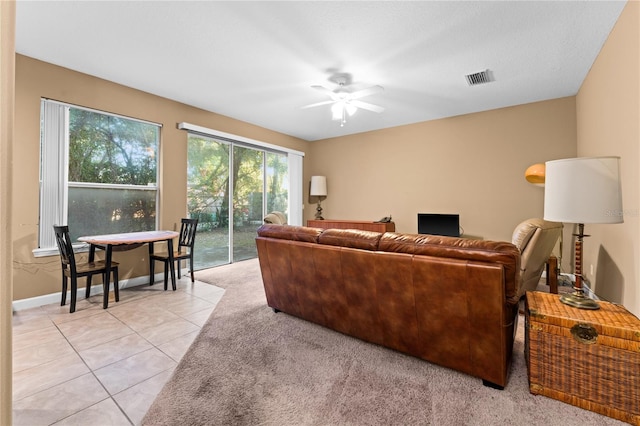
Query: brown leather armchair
{"points": [[536, 239]]}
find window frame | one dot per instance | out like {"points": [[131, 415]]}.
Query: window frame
{"points": [[54, 171], [295, 159]]}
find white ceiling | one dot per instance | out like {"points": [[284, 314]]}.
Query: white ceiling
{"points": [[257, 61]]}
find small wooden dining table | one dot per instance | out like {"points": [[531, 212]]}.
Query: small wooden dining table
{"points": [[127, 241]]}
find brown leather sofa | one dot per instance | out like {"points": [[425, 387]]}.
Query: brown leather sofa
{"points": [[450, 301]]}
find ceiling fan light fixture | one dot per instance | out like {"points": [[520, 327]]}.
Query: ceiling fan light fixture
{"points": [[337, 110], [351, 109], [344, 100], [341, 109]]}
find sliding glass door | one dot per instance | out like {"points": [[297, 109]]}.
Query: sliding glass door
{"points": [[248, 208], [230, 188], [277, 182], [208, 187]]}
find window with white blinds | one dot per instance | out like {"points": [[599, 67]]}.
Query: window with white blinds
{"points": [[98, 173]]}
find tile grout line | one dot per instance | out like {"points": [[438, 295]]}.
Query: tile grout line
{"points": [[92, 371], [111, 396], [187, 290], [94, 375]]}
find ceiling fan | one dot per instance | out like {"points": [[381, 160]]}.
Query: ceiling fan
{"points": [[344, 100]]}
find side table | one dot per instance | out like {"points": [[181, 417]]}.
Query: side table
{"points": [[353, 224], [587, 358]]}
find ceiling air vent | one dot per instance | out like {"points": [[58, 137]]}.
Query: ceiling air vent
{"points": [[478, 78]]}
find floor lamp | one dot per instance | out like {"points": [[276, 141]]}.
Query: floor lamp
{"points": [[535, 175], [582, 190]]}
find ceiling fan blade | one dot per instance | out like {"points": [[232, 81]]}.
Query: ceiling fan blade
{"points": [[367, 106], [366, 92], [327, 91], [317, 104]]}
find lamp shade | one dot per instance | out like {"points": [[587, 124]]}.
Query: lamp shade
{"points": [[583, 190], [535, 174], [318, 186]]}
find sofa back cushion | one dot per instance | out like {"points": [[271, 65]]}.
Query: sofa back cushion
{"points": [[289, 232], [352, 238], [501, 252], [435, 245]]}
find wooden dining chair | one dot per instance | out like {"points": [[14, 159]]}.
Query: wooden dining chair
{"points": [[74, 270], [184, 251]]}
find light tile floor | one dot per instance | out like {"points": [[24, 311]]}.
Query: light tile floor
{"points": [[103, 367]]}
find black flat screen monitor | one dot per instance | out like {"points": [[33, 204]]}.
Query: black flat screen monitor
{"points": [[439, 224]]}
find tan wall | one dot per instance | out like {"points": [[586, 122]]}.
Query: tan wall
{"points": [[36, 79], [472, 165], [608, 123], [7, 76]]}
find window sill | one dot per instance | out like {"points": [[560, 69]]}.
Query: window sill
{"points": [[49, 251]]}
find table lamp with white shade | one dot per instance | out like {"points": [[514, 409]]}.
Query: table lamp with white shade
{"points": [[582, 190], [319, 190]]}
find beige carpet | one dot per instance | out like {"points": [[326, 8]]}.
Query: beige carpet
{"points": [[250, 366]]}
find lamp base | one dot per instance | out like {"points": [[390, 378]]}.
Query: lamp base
{"points": [[578, 300]]}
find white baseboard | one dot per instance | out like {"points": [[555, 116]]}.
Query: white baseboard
{"points": [[34, 302]]}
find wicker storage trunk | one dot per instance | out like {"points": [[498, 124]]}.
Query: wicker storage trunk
{"points": [[587, 358]]}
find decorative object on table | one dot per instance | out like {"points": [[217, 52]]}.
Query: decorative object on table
{"points": [[385, 219], [184, 251], [319, 190], [276, 218], [587, 358], [74, 270], [582, 190], [535, 238], [535, 174]]}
